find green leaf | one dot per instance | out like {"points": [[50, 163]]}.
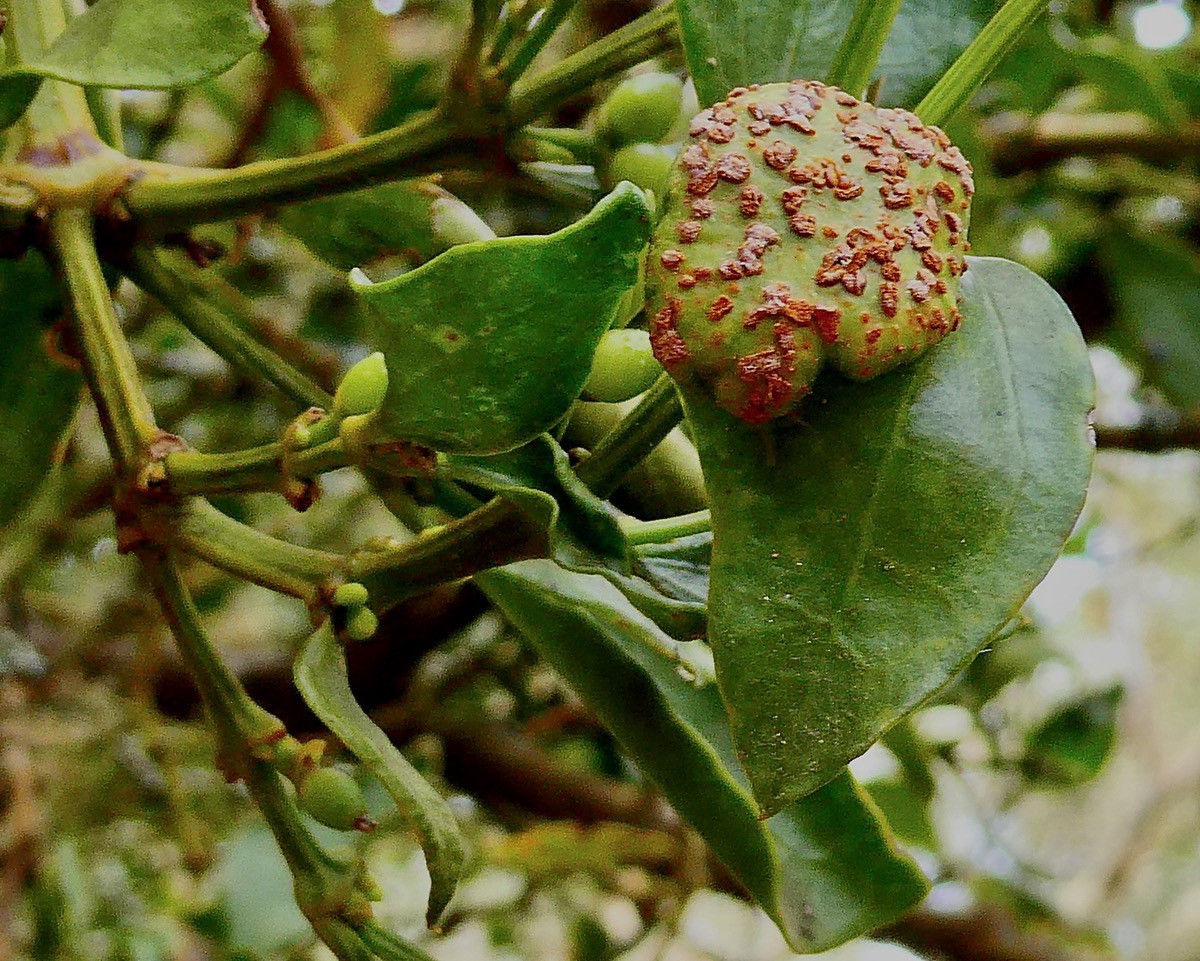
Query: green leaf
{"points": [[404, 223], [141, 44], [1156, 284], [1070, 747], [763, 41], [585, 534], [38, 395], [537, 478], [824, 869], [489, 343], [321, 679], [863, 555]]}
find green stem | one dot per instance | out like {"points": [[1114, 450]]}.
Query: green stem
{"points": [[321, 882], [646, 37], [205, 532], [254, 469], [506, 30], [863, 43], [551, 18], [238, 720], [975, 64], [666, 528], [107, 360], [218, 315], [388, 946], [658, 413], [491, 535], [183, 196]]}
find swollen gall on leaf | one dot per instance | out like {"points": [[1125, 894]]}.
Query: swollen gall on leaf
{"points": [[804, 226]]}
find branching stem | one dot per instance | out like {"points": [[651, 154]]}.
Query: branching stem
{"points": [[107, 360]]}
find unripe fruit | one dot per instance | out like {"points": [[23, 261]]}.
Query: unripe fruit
{"points": [[803, 226], [641, 108], [622, 367], [361, 623], [333, 798], [363, 388], [648, 165], [351, 594]]}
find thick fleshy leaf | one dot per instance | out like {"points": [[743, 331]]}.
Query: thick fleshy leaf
{"points": [[863, 555], [666, 583], [143, 44], [489, 343], [763, 41], [1156, 284], [38, 395], [321, 679], [824, 869]]}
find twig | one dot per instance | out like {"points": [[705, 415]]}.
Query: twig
{"points": [[1151, 437]]}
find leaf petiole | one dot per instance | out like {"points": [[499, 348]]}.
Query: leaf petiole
{"points": [[975, 64], [863, 43]]}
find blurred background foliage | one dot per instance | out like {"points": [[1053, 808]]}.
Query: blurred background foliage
{"points": [[1052, 793]]}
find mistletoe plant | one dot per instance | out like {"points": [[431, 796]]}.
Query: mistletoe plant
{"points": [[894, 435]]}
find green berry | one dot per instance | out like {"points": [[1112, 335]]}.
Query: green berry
{"points": [[333, 798], [361, 623], [641, 108], [363, 388], [804, 226], [352, 594], [646, 164], [622, 367]]}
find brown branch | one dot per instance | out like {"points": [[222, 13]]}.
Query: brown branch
{"points": [[1054, 137], [1151, 437], [288, 72], [992, 933]]}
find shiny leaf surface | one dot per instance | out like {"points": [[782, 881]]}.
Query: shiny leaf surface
{"points": [[824, 868], [863, 555], [489, 343], [142, 44], [762, 41]]}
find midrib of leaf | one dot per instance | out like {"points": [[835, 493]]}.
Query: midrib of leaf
{"points": [[867, 522]]}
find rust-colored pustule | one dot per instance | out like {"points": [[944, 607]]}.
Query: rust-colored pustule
{"points": [[804, 226]]}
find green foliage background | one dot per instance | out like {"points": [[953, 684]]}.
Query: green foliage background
{"points": [[1047, 793]]}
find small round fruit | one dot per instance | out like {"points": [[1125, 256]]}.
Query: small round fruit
{"points": [[622, 367], [350, 594], [363, 388], [801, 227], [333, 798], [641, 108], [361, 623], [646, 164]]}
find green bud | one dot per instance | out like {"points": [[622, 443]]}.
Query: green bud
{"points": [[352, 594], [622, 367], [287, 754], [333, 798], [641, 108], [804, 227], [363, 388], [361, 623], [646, 164]]}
